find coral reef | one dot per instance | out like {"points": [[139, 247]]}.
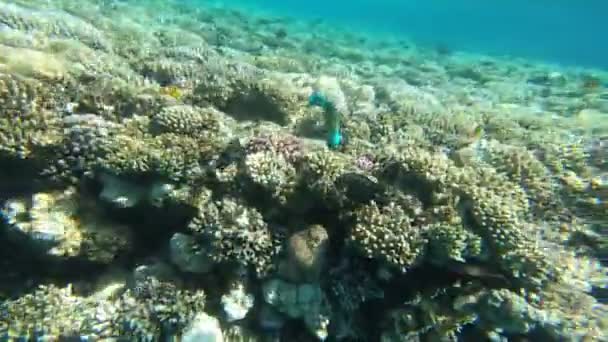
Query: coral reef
{"points": [[163, 176]]}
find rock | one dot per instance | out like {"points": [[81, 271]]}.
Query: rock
{"points": [[120, 193], [270, 319], [203, 328], [187, 255], [237, 303], [306, 253], [65, 224], [303, 301]]}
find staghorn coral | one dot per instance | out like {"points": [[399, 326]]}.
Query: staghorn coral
{"points": [[27, 120], [190, 121], [168, 155], [236, 233], [272, 172], [510, 237], [153, 308], [496, 208], [521, 166], [452, 242], [54, 313], [386, 233], [86, 140]]}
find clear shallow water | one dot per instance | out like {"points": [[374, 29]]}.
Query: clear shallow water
{"points": [[564, 32]]}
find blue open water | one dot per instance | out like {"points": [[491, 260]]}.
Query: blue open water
{"points": [[558, 31]]}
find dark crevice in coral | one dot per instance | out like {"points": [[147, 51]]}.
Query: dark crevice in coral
{"points": [[410, 183], [152, 226], [253, 105], [18, 177], [30, 268], [425, 278]]}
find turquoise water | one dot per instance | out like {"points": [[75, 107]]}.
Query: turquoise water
{"points": [[561, 31]]}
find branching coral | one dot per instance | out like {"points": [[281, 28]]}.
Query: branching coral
{"points": [[497, 208], [321, 171], [27, 122], [86, 140], [53, 313], [189, 120], [272, 172], [386, 233], [289, 146], [168, 155], [452, 242], [153, 308], [449, 165], [236, 233], [428, 316], [559, 314]]}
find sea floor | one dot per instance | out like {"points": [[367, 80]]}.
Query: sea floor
{"points": [[199, 173]]}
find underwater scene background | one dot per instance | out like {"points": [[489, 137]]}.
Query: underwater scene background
{"points": [[303, 171], [558, 31]]}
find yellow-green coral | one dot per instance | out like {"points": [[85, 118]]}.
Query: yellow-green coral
{"points": [[322, 169], [27, 122], [496, 208], [386, 233], [175, 157], [452, 242], [272, 172], [53, 313], [188, 120]]}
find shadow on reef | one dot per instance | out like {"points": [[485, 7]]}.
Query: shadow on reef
{"points": [[18, 176]]}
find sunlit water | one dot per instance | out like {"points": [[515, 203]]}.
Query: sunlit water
{"points": [[566, 32]]}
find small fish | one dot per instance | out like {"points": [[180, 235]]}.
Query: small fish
{"points": [[172, 91]]}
